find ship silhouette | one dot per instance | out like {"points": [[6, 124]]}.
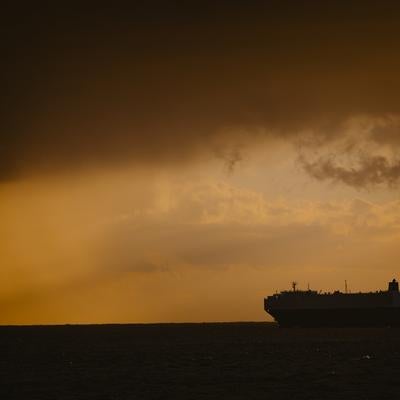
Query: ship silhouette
{"points": [[310, 308]]}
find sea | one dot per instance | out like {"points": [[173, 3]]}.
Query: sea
{"points": [[198, 361]]}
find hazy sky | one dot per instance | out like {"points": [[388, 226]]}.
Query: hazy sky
{"points": [[178, 162]]}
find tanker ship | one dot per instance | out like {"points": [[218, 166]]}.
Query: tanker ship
{"points": [[310, 308]]}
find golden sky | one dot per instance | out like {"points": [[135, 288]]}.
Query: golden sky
{"points": [[178, 163]]}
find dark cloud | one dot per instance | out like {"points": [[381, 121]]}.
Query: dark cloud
{"points": [[158, 81], [371, 170], [230, 157]]}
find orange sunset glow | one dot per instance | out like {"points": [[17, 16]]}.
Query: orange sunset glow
{"points": [[178, 163]]}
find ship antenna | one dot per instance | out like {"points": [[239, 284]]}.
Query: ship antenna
{"points": [[294, 284], [345, 286]]}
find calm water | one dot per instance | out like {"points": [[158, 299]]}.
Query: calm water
{"points": [[198, 361]]}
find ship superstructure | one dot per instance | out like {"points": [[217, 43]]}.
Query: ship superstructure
{"points": [[312, 308]]}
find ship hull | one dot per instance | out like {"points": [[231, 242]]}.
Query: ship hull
{"points": [[363, 317]]}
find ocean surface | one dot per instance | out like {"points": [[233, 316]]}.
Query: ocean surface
{"points": [[198, 361]]}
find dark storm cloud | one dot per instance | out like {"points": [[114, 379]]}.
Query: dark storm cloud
{"points": [[158, 81], [231, 157], [372, 170]]}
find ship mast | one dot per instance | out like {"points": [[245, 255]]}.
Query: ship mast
{"points": [[294, 284]]}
